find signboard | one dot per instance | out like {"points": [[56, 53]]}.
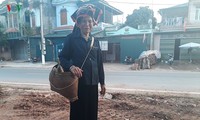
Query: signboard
{"points": [[103, 45]]}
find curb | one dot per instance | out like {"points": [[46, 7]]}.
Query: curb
{"points": [[46, 87]]}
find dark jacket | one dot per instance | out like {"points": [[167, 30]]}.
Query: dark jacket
{"points": [[74, 52]]}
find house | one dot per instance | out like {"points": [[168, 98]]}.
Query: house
{"points": [[121, 42], [64, 24], [180, 24], [23, 26], [21, 20]]}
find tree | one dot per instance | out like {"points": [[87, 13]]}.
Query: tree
{"points": [[140, 16], [3, 37]]}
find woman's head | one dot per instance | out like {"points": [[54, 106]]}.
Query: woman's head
{"points": [[85, 17], [85, 24]]}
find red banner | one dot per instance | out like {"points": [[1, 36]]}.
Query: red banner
{"points": [[9, 8]]}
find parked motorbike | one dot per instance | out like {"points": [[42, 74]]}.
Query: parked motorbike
{"points": [[128, 60], [170, 59], [34, 59]]}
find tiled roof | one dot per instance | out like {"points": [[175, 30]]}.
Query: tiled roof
{"points": [[61, 28], [177, 6], [11, 30]]}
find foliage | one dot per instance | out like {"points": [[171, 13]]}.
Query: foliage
{"points": [[3, 37], [140, 16], [27, 30]]}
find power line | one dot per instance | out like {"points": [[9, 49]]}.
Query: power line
{"points": [[138, 3]]}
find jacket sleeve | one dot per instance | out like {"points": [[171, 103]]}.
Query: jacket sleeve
{"points": [[65, 55], [100, 66]]}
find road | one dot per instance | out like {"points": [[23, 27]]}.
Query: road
{"points": [[144, 80]]}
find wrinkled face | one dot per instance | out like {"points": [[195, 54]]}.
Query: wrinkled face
{"points": [[85, 24]]}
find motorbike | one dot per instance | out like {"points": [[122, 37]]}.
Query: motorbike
{"points": [[34, 59], [128, 60], [170, 59]]}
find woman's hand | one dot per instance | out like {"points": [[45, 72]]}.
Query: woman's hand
{"points": [[76, 71], [103, 90]]}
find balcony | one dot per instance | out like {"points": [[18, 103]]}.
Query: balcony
{"points": [[186, 25], [173, 24]]}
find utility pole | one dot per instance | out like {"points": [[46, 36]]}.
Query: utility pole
{"points": [[20, 19], [43, 46], [151, 26]]}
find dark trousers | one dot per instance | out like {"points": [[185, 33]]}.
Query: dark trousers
{"points": [[86, 107]]}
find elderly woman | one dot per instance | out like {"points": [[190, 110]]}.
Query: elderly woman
{"points": [[76, 47]]}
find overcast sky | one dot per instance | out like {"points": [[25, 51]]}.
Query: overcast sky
{"points": [[127, 6]]}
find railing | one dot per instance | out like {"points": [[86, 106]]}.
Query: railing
{"points": [[186, 24]]}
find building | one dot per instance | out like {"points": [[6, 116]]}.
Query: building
{"points": [[21, 19], [64, 24], [180, 24], [121, 42], [23, 26]]}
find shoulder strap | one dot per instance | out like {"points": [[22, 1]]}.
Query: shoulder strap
{"points": [[91, 45]]}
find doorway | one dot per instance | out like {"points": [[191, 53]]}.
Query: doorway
{"points": [[177, 49]]}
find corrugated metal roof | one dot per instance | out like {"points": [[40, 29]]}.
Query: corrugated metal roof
{"points": [[177, 6]]}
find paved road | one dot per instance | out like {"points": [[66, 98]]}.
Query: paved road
{"points": [[145, 80]]}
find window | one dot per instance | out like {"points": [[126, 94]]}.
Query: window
{"points": [[15, 20], [10, 23], [33, 19], [63, 17], [197, 14], [27, 17]]}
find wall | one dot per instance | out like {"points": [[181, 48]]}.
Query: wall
{"points": [[156, 42], [19, 49], [5, 54], [3, 20], [192, 10], [167, 44], [129, 46], [71, 8]]}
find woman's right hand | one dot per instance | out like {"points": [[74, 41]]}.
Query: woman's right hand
{"points": [[76, 71]]}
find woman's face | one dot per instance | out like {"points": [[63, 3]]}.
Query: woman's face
{"points": [[85, 25]]}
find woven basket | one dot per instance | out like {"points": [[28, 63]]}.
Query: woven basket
{"points": [[64, 83]]}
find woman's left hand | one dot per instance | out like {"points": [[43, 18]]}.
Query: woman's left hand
{"points": [[103, 90]]}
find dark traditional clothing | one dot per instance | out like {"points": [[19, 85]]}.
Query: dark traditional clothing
{"points": [[73, 53], [87, 106]]}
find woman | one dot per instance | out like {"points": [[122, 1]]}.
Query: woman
{"points": [[71, 58]]}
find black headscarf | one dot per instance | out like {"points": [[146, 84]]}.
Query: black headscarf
{"points": [[89, 10]]}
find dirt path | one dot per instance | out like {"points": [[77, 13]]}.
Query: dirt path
{"points": [[30, 104]]}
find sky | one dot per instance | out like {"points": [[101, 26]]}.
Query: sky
{"points": [[127, 6]]}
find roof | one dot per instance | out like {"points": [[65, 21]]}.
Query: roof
{"points": [[176, 6], [115, 10], [63, 33], [61, 28], [3, 6], [11, 30], [127, 30]]}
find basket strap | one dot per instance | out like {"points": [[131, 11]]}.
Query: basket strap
{"points": [[91, 45]]}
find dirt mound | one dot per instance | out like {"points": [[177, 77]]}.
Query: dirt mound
{"points": [[22, 104]]}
